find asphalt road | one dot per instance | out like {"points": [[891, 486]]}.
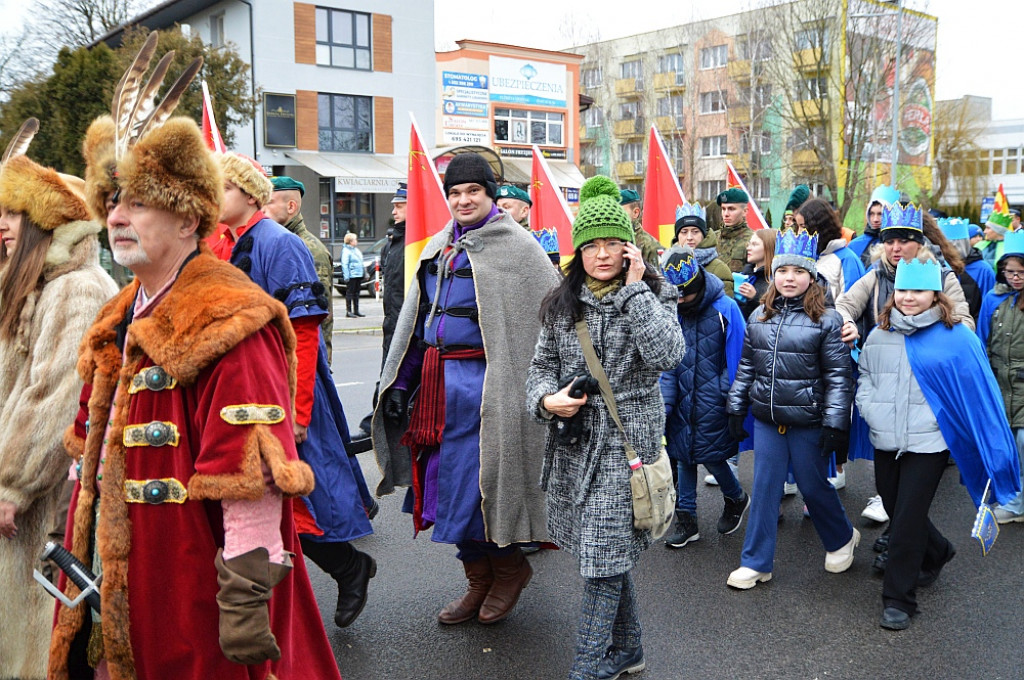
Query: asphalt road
{"points": [[804, 624]]}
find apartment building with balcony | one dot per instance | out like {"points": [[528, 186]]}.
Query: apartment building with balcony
{"points": [[779, 93]]}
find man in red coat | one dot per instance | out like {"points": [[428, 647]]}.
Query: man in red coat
{"points": [[189, 459]]}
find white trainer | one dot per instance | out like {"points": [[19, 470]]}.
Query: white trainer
{"points": [[839, 481], [875, 511], [710, 480], [746, 578], [1004, 516], [789, 489], [840, 560]]}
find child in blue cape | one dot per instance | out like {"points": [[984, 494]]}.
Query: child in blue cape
{"points": [[926, 391]]}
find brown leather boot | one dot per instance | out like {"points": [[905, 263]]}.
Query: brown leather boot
{"points": [[511, 574], [466, 607]]}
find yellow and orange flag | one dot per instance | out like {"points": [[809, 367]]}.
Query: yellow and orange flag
{"points": [[1001, 204], [427, 210], [662, 192], [549, 212], [755, 220]]}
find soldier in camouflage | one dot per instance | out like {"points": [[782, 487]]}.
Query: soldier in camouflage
{"points": [[735, 234], [647, 244], [284, 208]]}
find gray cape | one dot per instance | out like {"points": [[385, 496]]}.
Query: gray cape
{"points": [[512, 274]]}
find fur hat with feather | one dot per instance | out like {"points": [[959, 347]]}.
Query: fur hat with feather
{"points": [[139, 152]]}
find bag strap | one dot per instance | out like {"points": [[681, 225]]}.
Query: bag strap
{"points": [[597, 370]]}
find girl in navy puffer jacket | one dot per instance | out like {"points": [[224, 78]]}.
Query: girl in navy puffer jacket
{"points": [[795, 376]]}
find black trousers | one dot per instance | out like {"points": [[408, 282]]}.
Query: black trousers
{"points": [[352, 289], [907, 485]]}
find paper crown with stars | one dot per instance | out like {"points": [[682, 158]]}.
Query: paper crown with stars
{"points": [[955, 228], [899, 221], [917, 275], [797, 249], [691, 210], [681, 268]]}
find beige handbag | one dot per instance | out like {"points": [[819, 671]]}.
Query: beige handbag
{"points": [[654, 493]]}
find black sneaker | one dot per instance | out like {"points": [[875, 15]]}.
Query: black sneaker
{"points": [[881, 560], [686, 531], [882, 542], [732, 514], [618, 662], [894, 619]]}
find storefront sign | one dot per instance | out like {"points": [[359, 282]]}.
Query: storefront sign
{"points": [[278, 120], [464, 123], [527, 152], [365, 185], [453, 108], [518, 81], [465, 137]]}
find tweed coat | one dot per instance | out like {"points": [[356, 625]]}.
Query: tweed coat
{"points": [[39, 391], [590, 508]]}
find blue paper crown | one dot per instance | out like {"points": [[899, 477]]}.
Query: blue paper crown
{"points": [[955, 228], [896, 216], [681, 269], [917, 275], [797, 245], [547, 238], [885, 194], [1013, 244], [691, 210]]}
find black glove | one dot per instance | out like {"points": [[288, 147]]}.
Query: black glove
{"points": [[396, 403], [833, 440], [736, 430]]}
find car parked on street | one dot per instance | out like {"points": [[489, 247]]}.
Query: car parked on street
{"points": [[370, 257]]}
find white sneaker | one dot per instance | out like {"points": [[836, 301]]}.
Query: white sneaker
{"points": [[789, 489], [746, 578], [875, 511], [840, 560], [839, 481], [1004, 516]]}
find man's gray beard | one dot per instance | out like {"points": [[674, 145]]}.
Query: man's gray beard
{"points": [[135, 256]]}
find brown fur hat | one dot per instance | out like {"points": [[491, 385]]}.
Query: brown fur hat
{"points": [[170, 168], [98, 152], [41, 193], [245, 174]]}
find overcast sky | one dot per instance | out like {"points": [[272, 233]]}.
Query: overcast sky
{"points": [[980, 42]]}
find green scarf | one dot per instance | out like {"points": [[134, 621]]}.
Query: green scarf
{"points": [[602, 288]]}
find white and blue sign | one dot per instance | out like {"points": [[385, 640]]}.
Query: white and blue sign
{"points": [[473, 81], [454, 108], [521, 81], [988, 204]]}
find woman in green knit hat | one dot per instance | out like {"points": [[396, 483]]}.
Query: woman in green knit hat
{"points": [[629, 313]]}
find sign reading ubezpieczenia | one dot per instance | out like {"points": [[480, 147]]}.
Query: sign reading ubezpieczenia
{"points": [[519, 81]]}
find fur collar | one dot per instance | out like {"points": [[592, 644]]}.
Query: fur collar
{"points": [[71, 248]]}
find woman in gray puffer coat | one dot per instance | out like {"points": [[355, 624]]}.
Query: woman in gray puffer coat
{"points": [[630, 315], [795, 375]]}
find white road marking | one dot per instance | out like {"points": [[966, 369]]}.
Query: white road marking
{"points": [[348, 384]]}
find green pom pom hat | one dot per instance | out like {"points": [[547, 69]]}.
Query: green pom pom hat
{"points": [[600, 214]]}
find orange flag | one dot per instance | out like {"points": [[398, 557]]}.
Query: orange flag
{"points": [[662, 192], [211, 133], [1001, 204], [427, 210], [549, 212], [755, 220]]}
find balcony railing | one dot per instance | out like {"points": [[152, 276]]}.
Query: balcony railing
{"points": [[629, 87], [630, 169], [630, 127], [672, 80]]}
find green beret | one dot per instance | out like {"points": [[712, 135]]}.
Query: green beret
{"points": [[733, 195], [628, 196], [288, 184], [509, 191]]}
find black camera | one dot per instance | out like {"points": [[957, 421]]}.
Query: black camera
{"points": [[569, 430]]}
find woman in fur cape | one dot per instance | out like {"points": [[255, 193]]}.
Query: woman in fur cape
{"points": [[51, 286]]}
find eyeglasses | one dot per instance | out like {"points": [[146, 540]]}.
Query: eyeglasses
{"points": [[610, 247], [1014, 273]]}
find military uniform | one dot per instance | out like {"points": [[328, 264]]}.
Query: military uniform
{"points": [[732, 245], [647, 244]]}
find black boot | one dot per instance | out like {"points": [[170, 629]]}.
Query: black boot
{"points": [[732, 514], [351, 569], [685, 532]]}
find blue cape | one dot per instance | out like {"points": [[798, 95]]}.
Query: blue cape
{"points": [[735, 331], [954, 374], [982, 275], [853, 268], [989, 304]]}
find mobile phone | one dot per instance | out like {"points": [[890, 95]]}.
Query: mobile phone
{"points": [[625, 262]]}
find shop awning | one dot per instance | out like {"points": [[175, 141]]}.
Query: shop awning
{"points": [[565, 174], [356, 173]]}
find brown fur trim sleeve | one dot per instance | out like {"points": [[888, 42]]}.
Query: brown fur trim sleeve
{"points": [[294, 478]]}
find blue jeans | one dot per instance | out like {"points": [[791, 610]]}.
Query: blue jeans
{"points": [[774, 453], [1016, 506], [686, 484]]}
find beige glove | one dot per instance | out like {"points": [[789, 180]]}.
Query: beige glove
{"points": [[245, 584]]}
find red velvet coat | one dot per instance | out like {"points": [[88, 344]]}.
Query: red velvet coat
{"points": [[206, 392]]}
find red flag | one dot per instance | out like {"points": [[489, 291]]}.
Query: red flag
{"points": [[427, 210], [662, 192], [755, 220], [211, 133], [549, 210]]}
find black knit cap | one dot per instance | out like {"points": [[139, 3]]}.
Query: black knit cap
{"points": [[468, 168], [691, 221]]}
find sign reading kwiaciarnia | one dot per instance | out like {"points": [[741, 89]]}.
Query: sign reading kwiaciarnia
{"points": [[520, 81]]}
